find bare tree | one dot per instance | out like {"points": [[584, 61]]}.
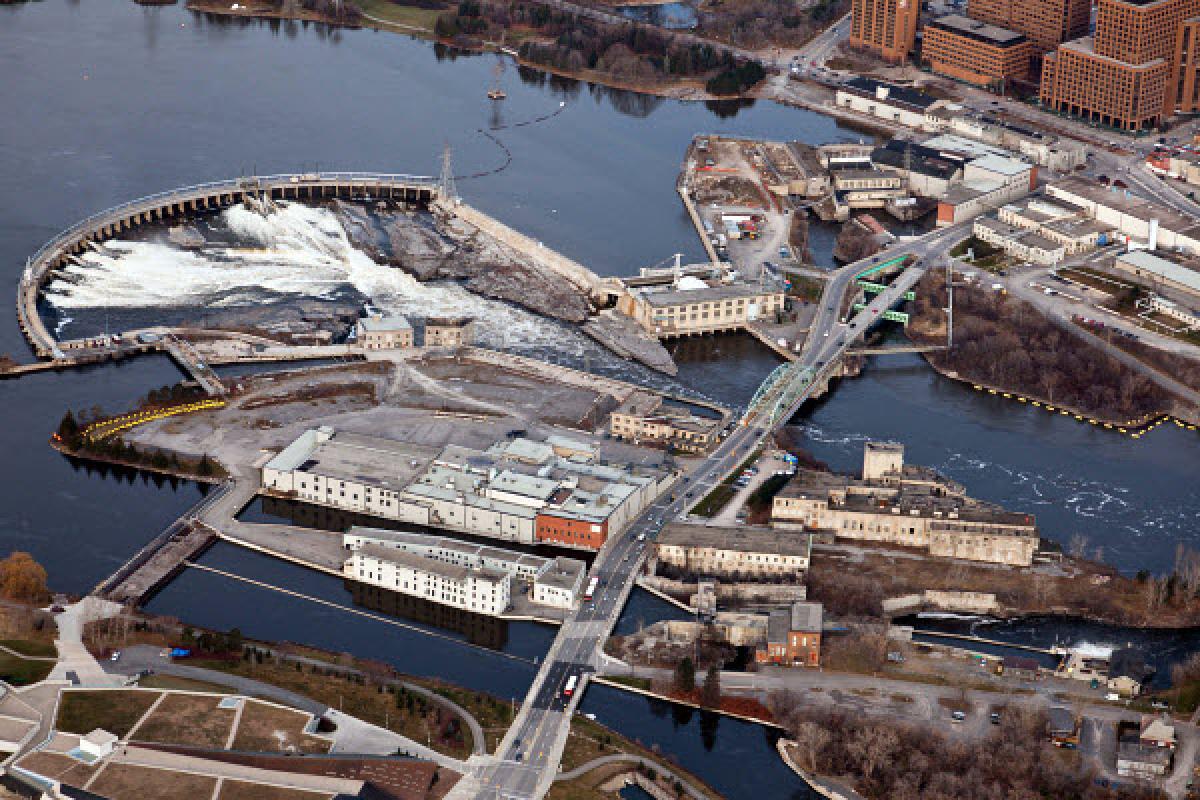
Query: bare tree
{"points": [[811, 740]]}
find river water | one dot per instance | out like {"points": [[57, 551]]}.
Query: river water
{"points": [[125, 101]]}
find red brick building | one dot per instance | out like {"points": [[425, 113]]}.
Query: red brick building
{"points": [[887, 28], [793, 637], [1138, 69], [1047, 23], [570, 530], [977, 52]]}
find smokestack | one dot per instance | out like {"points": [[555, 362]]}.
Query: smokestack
{"points": [[1152, 244]]}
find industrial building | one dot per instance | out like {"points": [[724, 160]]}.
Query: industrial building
{"points": [[517, 490], [910, 506], [886, 101], [645, 418], [977, 52], [1062, 223], [793, 636], [1021, 243], [887, 28], [554, 582], [686, 304], [1159, 269], [449, 331], [379, 332], [1139, 67], [723, 552], [1131, 217]]}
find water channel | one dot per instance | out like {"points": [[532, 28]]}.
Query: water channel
{"points": [[136, 100]]}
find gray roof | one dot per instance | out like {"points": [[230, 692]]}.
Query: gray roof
{"points": [[979, 31], [806, 617], [1156, 265], [1060, 720], [677, 297], [430, 565], [742, 539], [391, 322]]}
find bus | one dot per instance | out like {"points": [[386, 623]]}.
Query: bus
{"points": [[591, 589], [570, 690]]}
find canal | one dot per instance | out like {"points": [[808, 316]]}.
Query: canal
{"points": [[136, 100]]}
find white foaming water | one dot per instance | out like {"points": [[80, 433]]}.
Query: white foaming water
{"points": [[947, 615], [297, 250], [1093, 650]]}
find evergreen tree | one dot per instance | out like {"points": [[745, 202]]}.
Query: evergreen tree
{"points": [[685, 676]]}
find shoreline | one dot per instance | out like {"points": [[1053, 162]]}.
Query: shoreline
{"points": [[686, 90]]}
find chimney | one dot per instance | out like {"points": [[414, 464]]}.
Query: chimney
{"points": [[881, 92], [1152, 244]]}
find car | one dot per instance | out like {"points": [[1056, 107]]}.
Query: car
{"points": [[116, 656], [958, 716], [520, 757], [689, 494], [1112, 697], [994, 717], [1159, 705], [56, 609]]}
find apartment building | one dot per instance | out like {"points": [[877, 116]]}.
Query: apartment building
{"points": [[977, 52], [905, 505], [1047, 23], [723, 552], [644, 418], [887, 28], [1138, 69], [381, 332], [793, 636], [481, 590], [553, 582]]}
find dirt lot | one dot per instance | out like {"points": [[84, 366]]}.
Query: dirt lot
{"points": [[239, 790], [125, 782], [59, 767], [188, 719], [114, 711], [269, 729]]}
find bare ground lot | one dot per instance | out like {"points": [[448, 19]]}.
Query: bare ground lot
{"points": [[436, 402], [269, 729], [240, 790], [59, 767], [127, 782], [188, 719]]}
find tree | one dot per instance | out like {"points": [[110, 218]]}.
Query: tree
{"points": [[22, 578], [811, 740], [685, 676], [68, 428], [710, 693]]}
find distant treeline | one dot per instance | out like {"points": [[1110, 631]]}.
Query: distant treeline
{"points": [[572, 43]]}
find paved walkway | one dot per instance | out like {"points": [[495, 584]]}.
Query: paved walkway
{"points": [[75, 664], [627, 758]]}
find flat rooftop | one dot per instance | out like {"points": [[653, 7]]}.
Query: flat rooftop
{"points": [[891, 93], [1126, 202], [741, 539], [710, 294], [978, 31], [1168, 269], [354, 457], [427, 564]]}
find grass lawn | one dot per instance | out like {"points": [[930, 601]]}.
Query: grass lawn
{"points": [[31, 647], [21, 672], [123, 780], [114, 711], [419, 721], [411, 16], [269, 729], [188, 719]]}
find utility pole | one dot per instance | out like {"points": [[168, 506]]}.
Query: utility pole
{"points": [[950, 304]]}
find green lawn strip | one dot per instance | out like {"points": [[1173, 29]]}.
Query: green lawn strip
{"points": [[114, 711], [31, 647]]}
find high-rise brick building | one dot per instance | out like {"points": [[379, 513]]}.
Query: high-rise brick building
{"points": [[977, 52], [887, 28], [1139, 68], [1047, 23]]}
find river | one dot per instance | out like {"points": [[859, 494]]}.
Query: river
{"points": [[108, 101]]}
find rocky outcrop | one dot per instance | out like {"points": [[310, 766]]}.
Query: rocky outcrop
{"points": [[625, 338]]}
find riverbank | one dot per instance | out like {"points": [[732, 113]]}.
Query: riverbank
{"points": [[421, 23]]}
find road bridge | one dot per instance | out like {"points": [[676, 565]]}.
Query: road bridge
{"points": [[526, 761]]}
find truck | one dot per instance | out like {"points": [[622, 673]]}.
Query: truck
{"points": [[570, 688]]}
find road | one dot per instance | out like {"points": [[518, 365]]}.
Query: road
{"points": [[528, 757]]}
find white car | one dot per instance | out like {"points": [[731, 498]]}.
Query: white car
{"points": [[116, 656]]}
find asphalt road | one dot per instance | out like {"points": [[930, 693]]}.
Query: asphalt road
{"points": [[530, 752]]}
